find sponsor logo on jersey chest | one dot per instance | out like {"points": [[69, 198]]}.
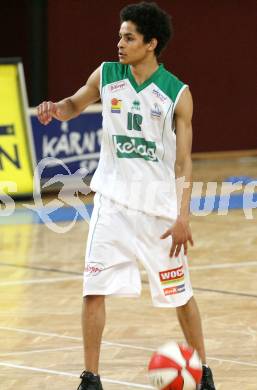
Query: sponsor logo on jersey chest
{"points": [[159, 95], [135, 105], [116, 106], [134, 147], [117, 86], [156, 112]]}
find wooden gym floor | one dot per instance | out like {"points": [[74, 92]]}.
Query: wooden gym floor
{"points": [[41, 285]]}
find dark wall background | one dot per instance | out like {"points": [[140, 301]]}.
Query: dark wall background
{"points": [[213, 50], [14, 31], [23, 33]]}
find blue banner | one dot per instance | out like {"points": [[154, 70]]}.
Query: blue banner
{"points": [[76, 142]]}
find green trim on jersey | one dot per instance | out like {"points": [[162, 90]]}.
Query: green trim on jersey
{"points": [[113, 71], [152, 79], [163, 79], [169, 84]]}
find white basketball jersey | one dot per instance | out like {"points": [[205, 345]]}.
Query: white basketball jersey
{"points": [[138, 150]]}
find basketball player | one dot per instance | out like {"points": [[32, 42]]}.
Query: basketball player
{"points": [[140, 213]]}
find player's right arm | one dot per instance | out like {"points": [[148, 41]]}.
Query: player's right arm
{"points": [[72, 106]]}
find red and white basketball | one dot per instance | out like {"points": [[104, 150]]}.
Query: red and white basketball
{"points": [[175, 367]]}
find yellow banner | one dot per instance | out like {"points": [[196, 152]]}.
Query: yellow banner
{"points": [[15, 159]]}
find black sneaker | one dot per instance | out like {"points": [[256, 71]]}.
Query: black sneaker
{"points": [[207, 379], [90, 381]]}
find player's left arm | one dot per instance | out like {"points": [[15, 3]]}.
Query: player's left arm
{"points": [[180, 231]]}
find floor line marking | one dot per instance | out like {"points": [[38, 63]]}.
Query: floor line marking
{"points": [[116, 382], [192, 267], [39, 351], [42, 269], [236, 293], [116, 344], [219, 266], [128, 346], [224, 265], [37, 281], [28, 331], [234, 361]]}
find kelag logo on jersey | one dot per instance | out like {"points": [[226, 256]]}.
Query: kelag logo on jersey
{"points": [[134, 147]]}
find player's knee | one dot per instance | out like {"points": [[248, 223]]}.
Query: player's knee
{"points": [[186, 305], [93, 300]]}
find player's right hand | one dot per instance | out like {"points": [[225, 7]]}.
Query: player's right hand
{"points": [[181, 234], [46, 111]]}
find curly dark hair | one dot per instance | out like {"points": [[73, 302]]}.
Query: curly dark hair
{"points": [[151, 21]]}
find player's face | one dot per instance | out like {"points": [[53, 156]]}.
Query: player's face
{"points": [[132, 48]]}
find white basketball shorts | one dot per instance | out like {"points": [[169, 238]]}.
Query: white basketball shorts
{"points": [[118, 239]]}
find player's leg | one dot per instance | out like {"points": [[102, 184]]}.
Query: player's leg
{"points": [[190, 322], [110, 270], [93, 321], [170, 285]]}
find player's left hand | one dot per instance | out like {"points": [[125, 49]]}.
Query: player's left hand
{"points": [[181, 235]]}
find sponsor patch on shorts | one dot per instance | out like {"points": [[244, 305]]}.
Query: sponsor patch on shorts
{"points": [[93, 269], [174, 290], [172, 276]]}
